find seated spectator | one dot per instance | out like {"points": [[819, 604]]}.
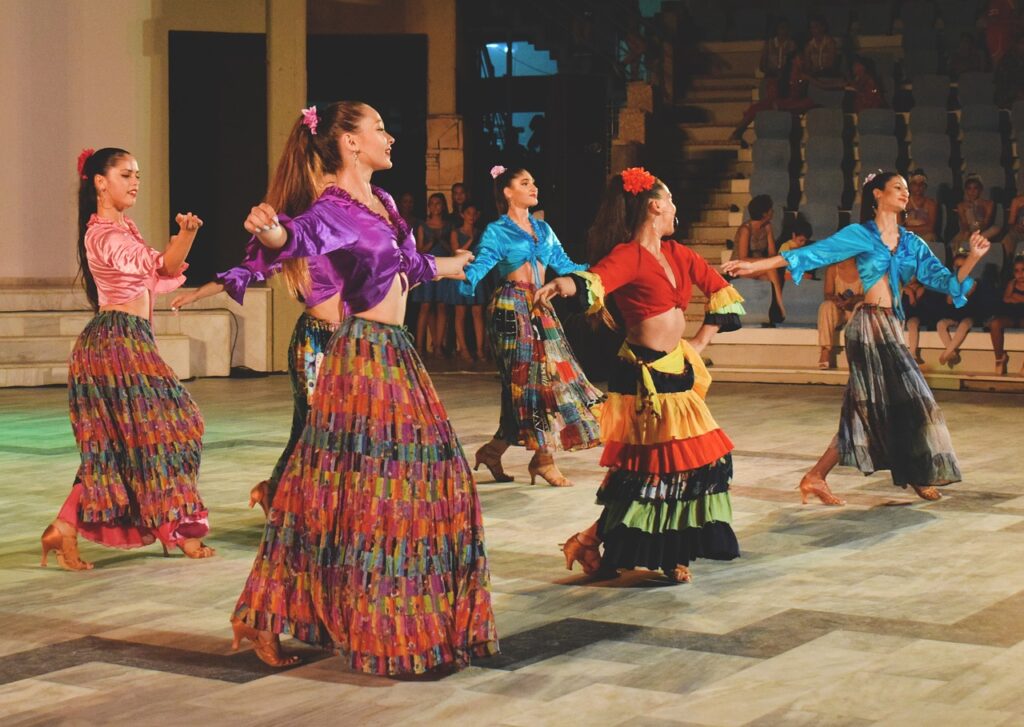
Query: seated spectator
{"points": [[959, 320], [776, 50], [975, 214], [755, 240], [922, 210], [843, 293], [821, 53], [923, 309], [967, 57], [800, 235], [867, 87], [1001, 25], [1009, 314], [1015, 235], [1009, 76], [789, 94]]}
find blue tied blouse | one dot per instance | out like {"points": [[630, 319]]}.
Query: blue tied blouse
{"points": [[863, 242], [506, 245]]}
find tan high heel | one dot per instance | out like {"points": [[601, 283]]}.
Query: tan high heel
{"points": [[54, 538], [195, 548], [680, 574], [543, 464], [1001, 362], [576, 551], [930, 493], [258, 496], [819, 489], [268, 651], [489, 456]]}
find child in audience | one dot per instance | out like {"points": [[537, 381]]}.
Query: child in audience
{"points": [[975, 214], [1009, 314], [922, 210]]}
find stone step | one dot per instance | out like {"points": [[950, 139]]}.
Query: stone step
{"points": [[714, 233], [713, 94], [838, 377], [718, 112], [724, 81], [719, 216], [708, 132]]}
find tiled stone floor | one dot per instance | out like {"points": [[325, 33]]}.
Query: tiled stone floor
{"points": [[890, 611]]}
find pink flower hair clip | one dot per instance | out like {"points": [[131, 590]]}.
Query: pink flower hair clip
{"points": [[310, 120], [497, 170], [83, 157], [868, 179]]}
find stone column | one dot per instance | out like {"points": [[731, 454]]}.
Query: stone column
{"points": [[286, 94]]}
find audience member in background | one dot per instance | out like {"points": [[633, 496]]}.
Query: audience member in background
{"points": [[821, 54], [923, 308], [466, 238], [433, 237], [776, 50], [1015, 234], [867, 86], [922, 210], [1001, 25], [756, 241], [1009, 76], [843, 293], [460, 196], [800, 235], [967, 57], [1009, 314], [407, 210], [958, 320], [975, 214], [788, 94]]}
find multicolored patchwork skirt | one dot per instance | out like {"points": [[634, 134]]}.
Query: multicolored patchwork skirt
{"points": [[666, 494], [139, 435], [546, 400], [305, 352], [890, 420], [375, 540]]}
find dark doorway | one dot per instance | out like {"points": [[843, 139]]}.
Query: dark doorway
{"points": [[389, 72], [218, 140]]}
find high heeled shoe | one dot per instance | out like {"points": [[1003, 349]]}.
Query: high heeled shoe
{"points": [[576, 551], [819, 489], [195, 548], [543, 464], [930, 493], [679, 574], [489, 456], [1001, 362], [54, 538], [258, 496], [268, 651]]}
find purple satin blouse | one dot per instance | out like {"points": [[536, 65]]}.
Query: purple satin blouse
{"points": [[322, 282], [362, 250]]}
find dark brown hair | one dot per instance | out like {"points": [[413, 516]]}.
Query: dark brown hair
{"points": [[501, 183], [867, 194], [619, 217], [99, 162]]}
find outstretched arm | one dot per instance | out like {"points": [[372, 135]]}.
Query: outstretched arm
{"points": [[746, 268], [180, 245], [184, 299]]}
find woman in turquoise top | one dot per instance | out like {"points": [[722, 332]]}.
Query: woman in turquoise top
{"points": [[546, 400], [889, 418]]}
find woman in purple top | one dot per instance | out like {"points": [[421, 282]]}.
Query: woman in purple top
{"points": [[312, 282], [374, 544]]}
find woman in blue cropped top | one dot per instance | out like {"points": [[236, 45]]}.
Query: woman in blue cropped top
{"points": [[546, 400], [889, 418]]}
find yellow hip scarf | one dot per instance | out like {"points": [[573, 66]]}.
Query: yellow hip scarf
{"points": [[673, 362]]}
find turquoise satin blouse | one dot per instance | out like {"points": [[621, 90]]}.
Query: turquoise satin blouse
{"points": [[863, 242], [506, 246]]}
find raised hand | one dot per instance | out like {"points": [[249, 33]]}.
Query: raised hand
{"points": [[188, 222], [979, 245], [262, 218]]}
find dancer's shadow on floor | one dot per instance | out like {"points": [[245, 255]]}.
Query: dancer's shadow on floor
{"points": [[625, 579]]}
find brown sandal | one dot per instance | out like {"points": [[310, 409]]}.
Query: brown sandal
{"points": [[930, 493], [819, 489], [543, 464], [66, 545], [586, 554], [196, 549], [268, 650]]}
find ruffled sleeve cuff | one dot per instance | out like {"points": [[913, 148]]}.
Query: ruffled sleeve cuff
{"points": [[798, 264], [958, 291], [236, 281], [589, 291], [725, 300]]}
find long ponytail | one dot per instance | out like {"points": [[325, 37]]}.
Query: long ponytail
{"points": [[91, 164]]}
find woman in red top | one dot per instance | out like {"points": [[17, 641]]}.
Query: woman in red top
{"points": [[666, 494]]}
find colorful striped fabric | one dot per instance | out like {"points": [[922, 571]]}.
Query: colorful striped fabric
{"points": [[546, 400], [375, 540], [890, 420], [139, 434], [305, 353], [666, 494]]}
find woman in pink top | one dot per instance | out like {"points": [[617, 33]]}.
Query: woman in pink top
{"points": [[138, 431]]}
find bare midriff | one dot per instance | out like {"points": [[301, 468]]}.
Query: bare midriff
{"points": [[661, 332], [391, 310], [879, 294], [138, 307], [524, 273], [327, 310]]}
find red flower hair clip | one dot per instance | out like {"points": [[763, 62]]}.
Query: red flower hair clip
{"points": [[82, 158], [636, 180]]}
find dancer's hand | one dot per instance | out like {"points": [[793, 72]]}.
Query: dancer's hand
{"points": [[453, 266], [979, 245], [188, 222], [263, 222], [738, 268], [563, 287], [184, 299]]}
